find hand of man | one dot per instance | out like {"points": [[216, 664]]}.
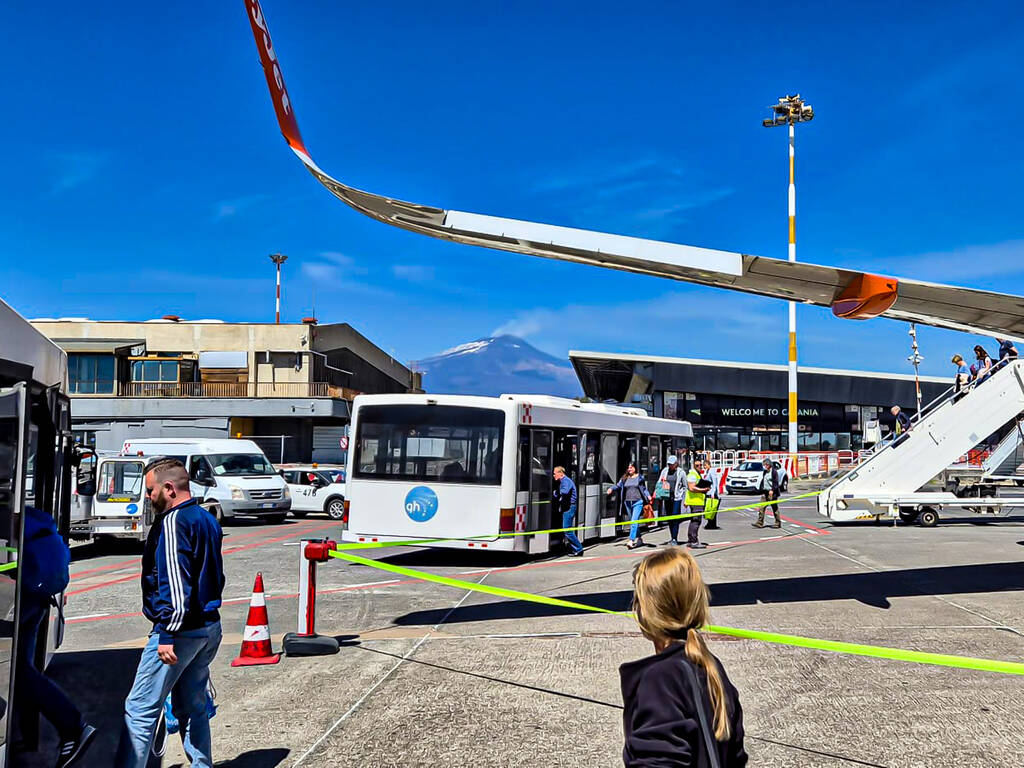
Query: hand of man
{"points": [[166, 653]]}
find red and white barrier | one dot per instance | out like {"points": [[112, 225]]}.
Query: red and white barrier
{"points": [[305, 641]]}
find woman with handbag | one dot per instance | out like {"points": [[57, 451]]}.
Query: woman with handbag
{"points": [[680, 707], [670, 489], [634, 497]]}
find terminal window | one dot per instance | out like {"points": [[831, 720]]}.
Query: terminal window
{"points": [[91, 374]]}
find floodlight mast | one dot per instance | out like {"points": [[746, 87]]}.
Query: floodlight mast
{"points": [[278, 259], [789, 111]]}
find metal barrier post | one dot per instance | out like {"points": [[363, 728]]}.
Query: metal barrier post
{"points": [[305, 641]]}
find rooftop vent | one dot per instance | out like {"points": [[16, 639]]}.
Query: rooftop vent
{"points": [[309, 320], [172, 318]]}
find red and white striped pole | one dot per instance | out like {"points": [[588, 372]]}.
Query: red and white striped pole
{"points": [[278, 259]]}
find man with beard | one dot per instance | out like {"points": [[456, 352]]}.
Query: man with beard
{"points": [[182, 582]]}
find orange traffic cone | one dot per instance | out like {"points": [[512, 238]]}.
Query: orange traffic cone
{"points": [[256, 647]]}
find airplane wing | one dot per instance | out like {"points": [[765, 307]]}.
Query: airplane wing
{"points": [[849, 293]]}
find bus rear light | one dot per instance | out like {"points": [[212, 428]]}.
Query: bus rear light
{"points": [[507, 521], [344, 514]]}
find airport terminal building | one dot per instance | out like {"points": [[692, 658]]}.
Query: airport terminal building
{"points": [[735, 405]]}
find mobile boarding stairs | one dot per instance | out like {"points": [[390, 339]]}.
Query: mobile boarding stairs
{"points": [[891, 481]]}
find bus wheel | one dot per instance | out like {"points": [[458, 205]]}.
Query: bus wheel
{"points": [[335, 508], [929, 518]]}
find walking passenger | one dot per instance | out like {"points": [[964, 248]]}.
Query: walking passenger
{"points": [[984, 362], [696, 488], [634, 496], [771, 488], [901, 427], [182, 582], [713, 498], [671, 489], [679, 706], [565, 498], [962, 378], [44, 575], [1007, 352]]}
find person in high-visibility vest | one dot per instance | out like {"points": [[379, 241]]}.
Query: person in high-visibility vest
{"points": [[712, 499], [696, 489]]}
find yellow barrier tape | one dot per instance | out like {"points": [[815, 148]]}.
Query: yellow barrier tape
{"points": [[575, 529], [833, 646]]}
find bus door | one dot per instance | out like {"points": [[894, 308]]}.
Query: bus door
{"points": [[608, 475], [14, 447], [588, 489], [539, 515]]}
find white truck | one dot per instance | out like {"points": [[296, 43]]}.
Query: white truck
{"points": [[231, 477]]}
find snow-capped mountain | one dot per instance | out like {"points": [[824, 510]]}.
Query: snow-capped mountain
{"points": [[498, 364]]}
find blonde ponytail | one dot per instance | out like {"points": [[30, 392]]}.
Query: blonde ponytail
{"points": [[697, 652], [670, 600]]}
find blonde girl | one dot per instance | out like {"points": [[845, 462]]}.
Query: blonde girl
{"points": [[661, 719]]}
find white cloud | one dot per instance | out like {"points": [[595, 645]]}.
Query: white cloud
{"points": [[413, 273], [75, 169], [332, 267]]}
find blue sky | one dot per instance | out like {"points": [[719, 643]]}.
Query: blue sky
{"points": [[145, 174]]}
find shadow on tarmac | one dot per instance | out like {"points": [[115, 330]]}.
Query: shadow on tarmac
{"points": [[871, 588]]}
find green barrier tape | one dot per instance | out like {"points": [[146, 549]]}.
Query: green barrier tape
{"points": [[574, 529], [8, 549], [834, 646], [8, 566]]}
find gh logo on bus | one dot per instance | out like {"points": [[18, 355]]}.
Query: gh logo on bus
{"points": [[421, 504]]}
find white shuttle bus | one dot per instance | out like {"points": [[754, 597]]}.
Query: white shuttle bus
{"points": [[230, 477], [467, 469]]}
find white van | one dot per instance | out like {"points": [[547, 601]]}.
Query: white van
{"points": [[230, 477]]}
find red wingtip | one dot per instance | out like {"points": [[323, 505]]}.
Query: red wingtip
{"points": [[275, 80]]}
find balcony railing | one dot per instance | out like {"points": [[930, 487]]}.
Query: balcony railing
{"points": [[228, 389]]}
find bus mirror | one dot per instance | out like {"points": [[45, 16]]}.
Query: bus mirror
{"points": [[86, 486]]}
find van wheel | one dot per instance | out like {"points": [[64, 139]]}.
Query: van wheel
{"points": [[929, 518], [216, 511], [335, 508]]}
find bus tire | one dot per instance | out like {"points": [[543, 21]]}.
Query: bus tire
{"points": [[929, 517], [335, 507]]}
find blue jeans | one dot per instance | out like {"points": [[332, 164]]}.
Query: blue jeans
{"points": [[33, 689], [186, 681], [636, 508], [569, 520], [671, 507]]}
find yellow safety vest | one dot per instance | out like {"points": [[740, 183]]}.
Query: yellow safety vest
{"points": [[693, 498]]}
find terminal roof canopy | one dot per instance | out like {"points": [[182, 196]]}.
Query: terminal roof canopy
{"points": [[849, 293]]}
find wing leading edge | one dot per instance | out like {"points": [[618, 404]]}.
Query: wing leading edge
{"points": [[849, 293]]}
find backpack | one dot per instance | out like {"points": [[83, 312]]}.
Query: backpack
{"points": [[45, 556]]}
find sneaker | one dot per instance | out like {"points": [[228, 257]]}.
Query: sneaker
{"points": [[777, 525], [710, 527], [673, 543], [696, 545], [577, 553], [757, 525], [632, 544], [70, 751]]}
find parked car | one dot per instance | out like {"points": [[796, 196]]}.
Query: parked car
{"points": [[746, 478], [315, 488]]}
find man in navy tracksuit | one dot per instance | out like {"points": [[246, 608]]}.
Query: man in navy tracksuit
{"points": [[182, 581]]}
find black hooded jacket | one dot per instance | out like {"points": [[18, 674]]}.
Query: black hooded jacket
{"points": [[660, 720]]}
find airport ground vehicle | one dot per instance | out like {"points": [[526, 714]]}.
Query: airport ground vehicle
{"points": [[232, 477], [746, 478], [120, 508], [315, 488], [897, 479], [470, 468]]}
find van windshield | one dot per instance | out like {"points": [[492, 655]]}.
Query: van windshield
{"points": [[240, 464]]}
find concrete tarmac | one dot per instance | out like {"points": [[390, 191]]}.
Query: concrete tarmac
{"points": [[430, 675]]}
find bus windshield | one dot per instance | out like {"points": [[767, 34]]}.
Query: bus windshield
{"points": [[430, 443], [240, 464]]}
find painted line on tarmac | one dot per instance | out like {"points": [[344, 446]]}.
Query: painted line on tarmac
{"points": [[832, 646], [380, 681], [85, 618]]}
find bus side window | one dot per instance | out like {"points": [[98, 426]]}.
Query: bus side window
{"points": [[590, 474]]}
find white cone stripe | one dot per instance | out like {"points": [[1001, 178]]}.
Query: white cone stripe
{"points": [[256, 633], [258, 600]]}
